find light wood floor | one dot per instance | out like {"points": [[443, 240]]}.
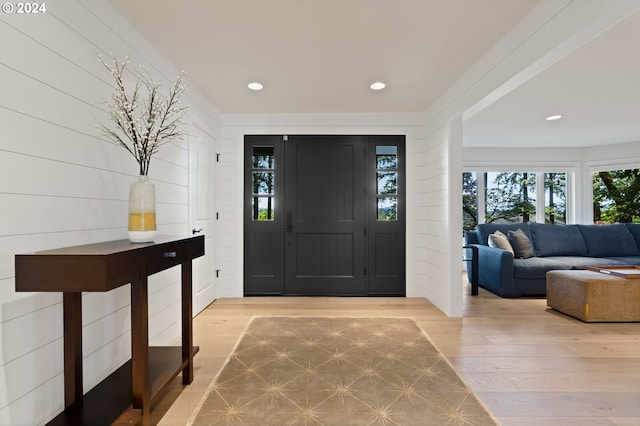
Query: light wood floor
{"points": [[528, 364]]}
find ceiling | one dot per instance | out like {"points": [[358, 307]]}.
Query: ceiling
{"points": [[320, 56], [596, 89]]}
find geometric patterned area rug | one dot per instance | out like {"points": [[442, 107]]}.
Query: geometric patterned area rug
{"points": [[338, 371]]}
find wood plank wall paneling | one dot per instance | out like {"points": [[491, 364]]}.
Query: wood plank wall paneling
{"points": [[430, 219], [61, 185]]}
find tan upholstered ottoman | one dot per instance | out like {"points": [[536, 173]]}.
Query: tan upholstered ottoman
{"points": [[593, 296]]}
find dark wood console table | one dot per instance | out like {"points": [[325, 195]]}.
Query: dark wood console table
{"points": [[103, 267]]}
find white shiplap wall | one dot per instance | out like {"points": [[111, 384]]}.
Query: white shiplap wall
{"points": [[430, 218], [61, 185]]}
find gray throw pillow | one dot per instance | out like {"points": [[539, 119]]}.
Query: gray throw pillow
{"points": [[499, 240], [522, 247]]}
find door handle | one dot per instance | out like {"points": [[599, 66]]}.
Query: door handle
{"points": [[195, 231], [289, 222]]}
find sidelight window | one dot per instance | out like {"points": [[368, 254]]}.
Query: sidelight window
{"points": [[263, 183], [387, 182]]}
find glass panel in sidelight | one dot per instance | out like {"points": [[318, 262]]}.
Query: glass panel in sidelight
{"points": [[386, 157], [263, 183], [388, 208], [262, 208], [263, 157], [387, 183]]}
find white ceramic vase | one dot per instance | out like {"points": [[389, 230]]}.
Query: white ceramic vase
{"points": [[142, 211]]}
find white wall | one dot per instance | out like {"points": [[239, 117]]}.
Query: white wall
{"points": [[60, 185]]}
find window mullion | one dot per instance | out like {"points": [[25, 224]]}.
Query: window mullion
{"points": [[481, 194], [540, 197]]}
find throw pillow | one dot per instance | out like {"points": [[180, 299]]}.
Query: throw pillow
{"points": [[522, 247], [499, 240]]}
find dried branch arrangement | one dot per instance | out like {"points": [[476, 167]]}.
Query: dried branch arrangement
{"points": [[142, 120]]}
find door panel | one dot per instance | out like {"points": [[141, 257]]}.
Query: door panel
{"points": [[202, 169], [324, 255], [263, 216], [325, 249], [386, 212]]}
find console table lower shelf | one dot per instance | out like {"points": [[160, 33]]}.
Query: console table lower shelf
{"points": [[109, 402]]}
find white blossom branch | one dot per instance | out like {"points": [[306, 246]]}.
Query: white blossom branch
{"points": [[142, 126]]}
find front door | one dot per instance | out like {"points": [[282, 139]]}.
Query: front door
{"points": [[324, 215], [325, 221]]}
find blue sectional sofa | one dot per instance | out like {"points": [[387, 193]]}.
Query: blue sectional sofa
{"points": [[552, 247]]}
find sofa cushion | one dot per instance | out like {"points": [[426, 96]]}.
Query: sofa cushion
{"points": [[486, 229], [557, 240], [627, 260], [536, 267], [634, 228], [470, 237], [581, 262], [499, 240], [609, 240], [521, 244]]}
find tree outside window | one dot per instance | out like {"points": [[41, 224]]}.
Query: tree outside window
{"points": [[616, 196], [555, 192], [469, 201], [511, 197]]}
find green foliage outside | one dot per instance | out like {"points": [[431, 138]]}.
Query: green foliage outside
{"points": [[263, 183], [265, 215], [555, 209], [510, 197], [387, 209], [469, 202], [616, 196], [387, 186]]}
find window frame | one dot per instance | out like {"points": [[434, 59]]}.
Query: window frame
{"points": [[570, 198]]}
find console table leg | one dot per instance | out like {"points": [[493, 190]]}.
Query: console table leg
{"points": [[473, 279], [72, 323], [474, 271], [140, 348], [187, 325]]}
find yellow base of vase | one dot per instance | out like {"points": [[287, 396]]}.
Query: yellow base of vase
{"points": [[142, 221]]}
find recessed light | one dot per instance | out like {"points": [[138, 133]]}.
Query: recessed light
{"points": [[255, 86], [378, 85], [554, 117]]}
